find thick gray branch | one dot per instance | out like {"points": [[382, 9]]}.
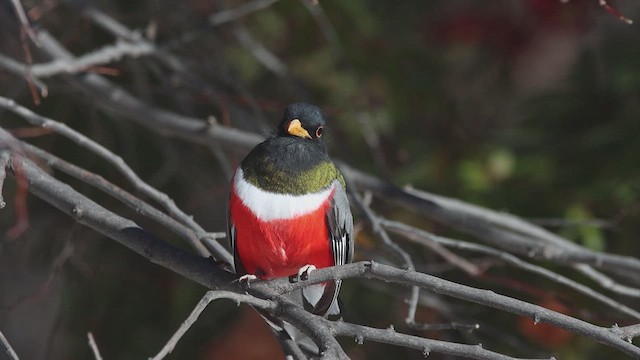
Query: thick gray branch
{"points": [[425, 346], [489, 298]]}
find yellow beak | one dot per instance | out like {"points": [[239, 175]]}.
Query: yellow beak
{"points": [[294, 127]]}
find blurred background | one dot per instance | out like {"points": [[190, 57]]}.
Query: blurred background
{"points": [[526, 106]]}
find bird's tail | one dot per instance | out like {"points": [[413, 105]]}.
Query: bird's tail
{"points": [[320, 299]]}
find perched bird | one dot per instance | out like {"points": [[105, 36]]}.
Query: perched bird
{"points": [[288, 209]]}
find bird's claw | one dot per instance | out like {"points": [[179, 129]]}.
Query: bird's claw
{"points": [[303, 272], [247, 279]]}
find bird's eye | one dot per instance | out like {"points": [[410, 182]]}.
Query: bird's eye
{"points": [[319, 131]]}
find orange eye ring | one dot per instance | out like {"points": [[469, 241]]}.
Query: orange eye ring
{"points": [[319, 131]]}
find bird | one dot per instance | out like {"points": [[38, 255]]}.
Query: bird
{"points": [[288, 210]]}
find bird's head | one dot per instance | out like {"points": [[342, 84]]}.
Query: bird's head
{"points": [[304, 121]]}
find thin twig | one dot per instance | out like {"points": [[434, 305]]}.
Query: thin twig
{"points": [[613, 11], [559, 222], [123, 196], [20, 196], [372, 139], [291, 349], [199, 308], [328, 30], [102, 56], [261, 52], [24, 21], [94, 346], [27, 31], [412, 302], [7, 348], [109, 24], [5, 157], [607, 282], [54, 274], [18, 69], [239, 12]]}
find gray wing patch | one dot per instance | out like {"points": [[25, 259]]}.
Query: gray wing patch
{"points": [[231, 235], [340, 223]]}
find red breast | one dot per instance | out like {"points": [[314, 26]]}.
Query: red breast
{"points": [[280, 247]]}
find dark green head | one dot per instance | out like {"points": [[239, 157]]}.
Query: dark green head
{"points": [[304, 121], [294, 160]]}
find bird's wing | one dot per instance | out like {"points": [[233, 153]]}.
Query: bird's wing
{"points": [[340, 222], [323, 298], [231, 235]]}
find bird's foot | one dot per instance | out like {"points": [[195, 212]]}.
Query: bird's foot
{"points": [[247, 279], [303, 272]]}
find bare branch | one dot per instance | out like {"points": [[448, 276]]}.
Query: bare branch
{"points": [[18, 69], [115, 160], [97, 57], [109, 24], [24, 21], [7, 347], [45, 288], [27, 30], [291, 349], [118, 100], [425, 346], [388, 243], [199, 308], [607, 282], [5, 156], [419, 236], [559, 222], [261, 53], [627, 332], [503, 230], [613, 11], [181, 70], [328, 30], [538, 314], [131, 201], [94, 346], [9, 146], [239, 12], [124, 231]]}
